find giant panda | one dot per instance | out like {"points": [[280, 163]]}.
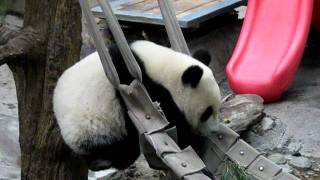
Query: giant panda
{"points": [[92, 117]]}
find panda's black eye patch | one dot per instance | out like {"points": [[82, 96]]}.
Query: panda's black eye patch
{"points": [[192, 76], [206, 114]]}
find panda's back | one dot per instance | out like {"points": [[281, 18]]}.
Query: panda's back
{"points": [[85, 103]]}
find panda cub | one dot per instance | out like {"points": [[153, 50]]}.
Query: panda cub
{"points": [[92, 116]]}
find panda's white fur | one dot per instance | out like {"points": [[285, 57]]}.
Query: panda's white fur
{"points": [[85, 100], [166, 67], [86, 104]]}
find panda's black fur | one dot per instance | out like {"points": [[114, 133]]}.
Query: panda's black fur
{"points": [[123, 152], [122, 158]]}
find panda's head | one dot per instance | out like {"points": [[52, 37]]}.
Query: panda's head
{"points": [[191, 84]]}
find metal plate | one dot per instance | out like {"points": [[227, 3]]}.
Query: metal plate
{"points": [[212, 156], [224, 138], [185, 162], [263, 168], [242, 153]]}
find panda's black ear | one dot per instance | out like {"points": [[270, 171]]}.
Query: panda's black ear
{"points": [[192, 76], [202, 56]]}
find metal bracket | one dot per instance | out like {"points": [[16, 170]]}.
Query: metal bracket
{"points": [[226, 144], [141, 110], [242, 153], [149, 152], [224, 138], [263, 168], [151, 124], [184, 163]]}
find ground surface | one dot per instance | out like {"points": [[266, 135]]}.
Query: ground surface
{"points": [[291, 132]]}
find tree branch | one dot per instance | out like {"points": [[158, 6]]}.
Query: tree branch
{"points": [[17, 43], [6, 34]]}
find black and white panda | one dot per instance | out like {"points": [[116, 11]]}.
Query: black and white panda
{"points": [[93, 119]]}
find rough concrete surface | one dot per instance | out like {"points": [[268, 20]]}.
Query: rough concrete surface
{"points": [[300, 110], [9, 133], [295, 130]]}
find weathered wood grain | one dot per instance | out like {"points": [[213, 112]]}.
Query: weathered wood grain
{"points": [[190, 12], [48, 43]]}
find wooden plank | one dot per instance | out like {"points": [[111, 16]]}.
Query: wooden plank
{"points": [[141, 6], [199, 8], [188, 15], [131, 2], [211, 11], [118, 2], [183, 5]]}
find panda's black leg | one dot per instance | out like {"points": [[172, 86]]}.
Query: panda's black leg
{"points": [[119, 154], [125, 152]]}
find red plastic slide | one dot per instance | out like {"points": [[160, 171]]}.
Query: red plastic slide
{"points": [[270, 47]]}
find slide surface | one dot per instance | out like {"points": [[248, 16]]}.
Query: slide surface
{"points": [[270, 47]]}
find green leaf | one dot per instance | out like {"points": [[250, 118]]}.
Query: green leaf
{"points": [[3, 7], [233, 171]]}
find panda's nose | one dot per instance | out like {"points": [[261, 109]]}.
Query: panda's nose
{"points": [[209, 127]]}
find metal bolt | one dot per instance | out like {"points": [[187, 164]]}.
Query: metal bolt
{"points": [[166, 143], [241, 153], [261, 168], [148, 116], [183, 164], [220, 137]]}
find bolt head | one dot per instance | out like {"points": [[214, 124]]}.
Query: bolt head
{"points": [[261, 168], [184, 164], [148, 116]]}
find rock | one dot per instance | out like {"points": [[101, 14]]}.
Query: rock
{"points": [[286, 168], [13, 22], [278, 158], [140, 170], [241, 111], [300, 163], [294, 147], [310, 173], [8, 172], [274, 140], [9, 125], [316, 169], [267, 123]]}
